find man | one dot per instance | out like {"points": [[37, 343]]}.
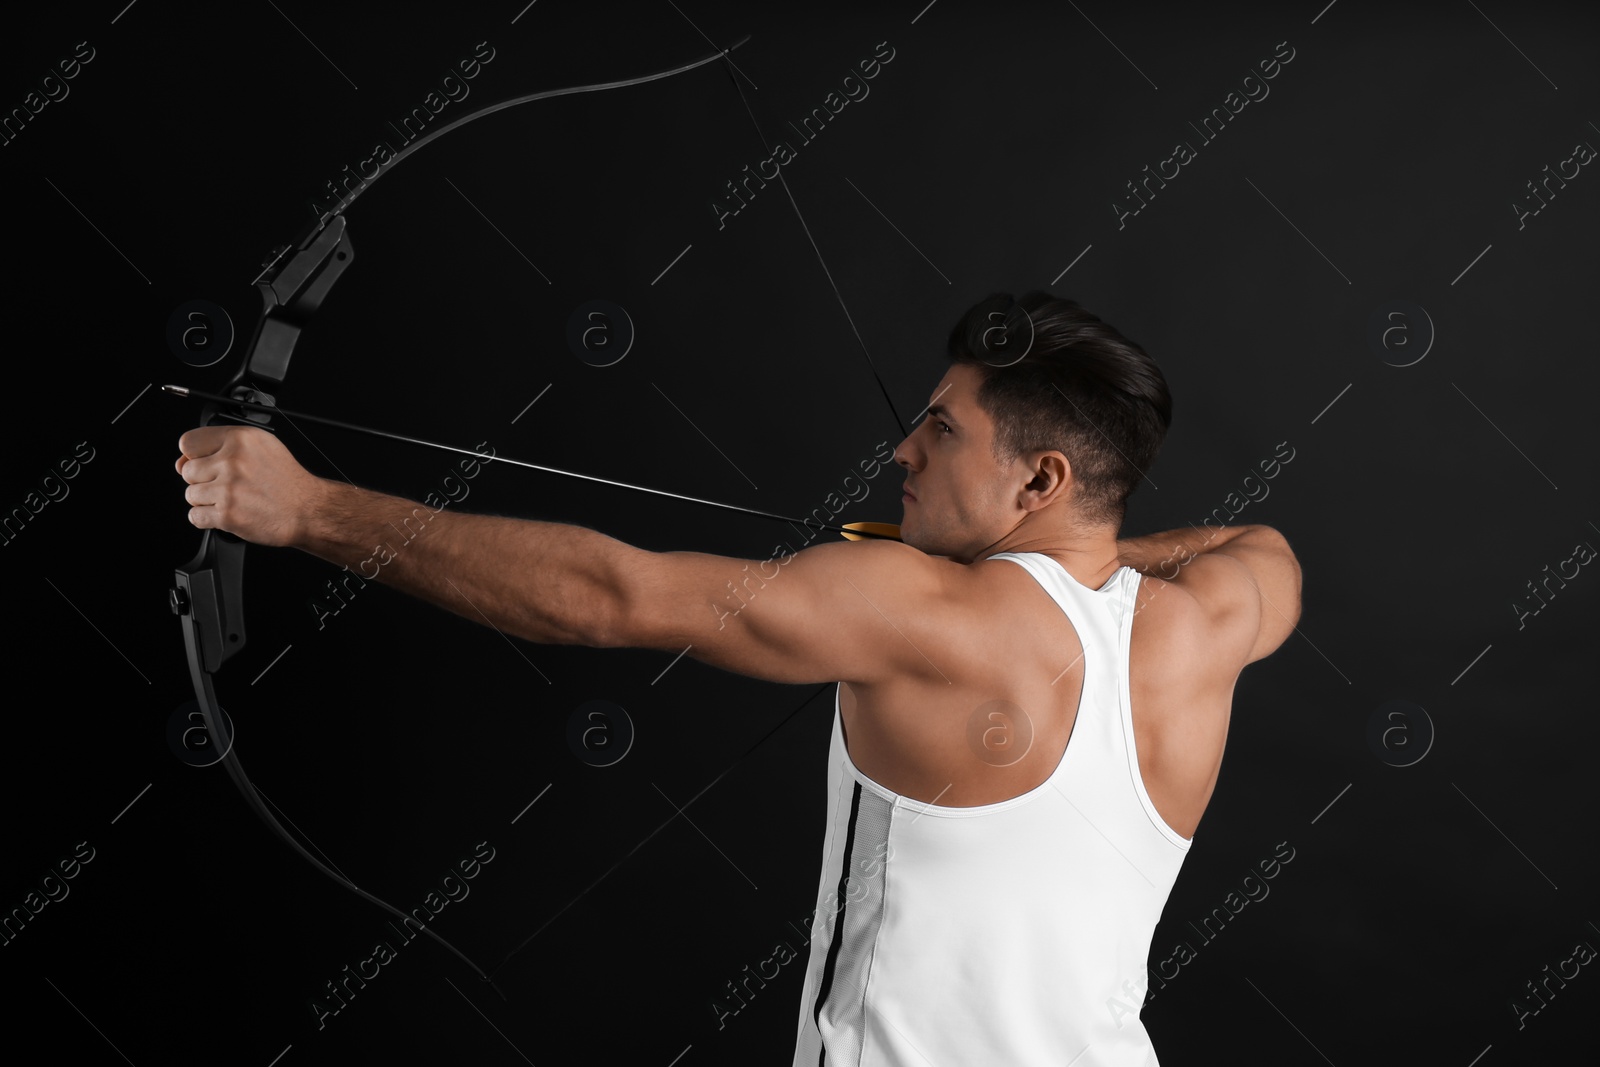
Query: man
{"points": [[1016, 770]]}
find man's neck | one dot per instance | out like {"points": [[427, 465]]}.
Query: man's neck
{"points": [[1089, 556]]}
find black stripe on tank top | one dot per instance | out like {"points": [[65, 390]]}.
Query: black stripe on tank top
{"points": [[838, 918]]}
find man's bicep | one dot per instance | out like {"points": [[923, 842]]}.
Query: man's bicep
{"points": [[823, 614]]}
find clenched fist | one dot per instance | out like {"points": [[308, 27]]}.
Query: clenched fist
{"points": [[244, 481]]}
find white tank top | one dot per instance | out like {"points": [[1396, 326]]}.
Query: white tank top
{"points": [[1014, 933]]}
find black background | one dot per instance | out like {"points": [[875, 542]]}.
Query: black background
{"points": [[1421, 499]]}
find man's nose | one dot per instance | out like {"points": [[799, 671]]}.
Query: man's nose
{"points": [[902, 454]]}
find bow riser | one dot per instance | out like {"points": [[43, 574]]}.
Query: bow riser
{"points": [[290, 295]]}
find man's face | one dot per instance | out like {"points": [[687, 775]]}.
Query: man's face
{"points": [[964, 502]]}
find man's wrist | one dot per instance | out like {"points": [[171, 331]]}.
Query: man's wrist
{"points": [[352, 527], [314, 528]]}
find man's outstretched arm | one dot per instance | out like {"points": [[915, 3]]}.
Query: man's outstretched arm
{"points": [[845, 611]]}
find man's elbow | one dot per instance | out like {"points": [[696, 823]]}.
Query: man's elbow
{"points": [[600, 610], [631, 603], [611, 619], [1276, 574], [1293, 609], [1288, 587]]}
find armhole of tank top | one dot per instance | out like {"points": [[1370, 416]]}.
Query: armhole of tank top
{"points": [[1125, 711]]}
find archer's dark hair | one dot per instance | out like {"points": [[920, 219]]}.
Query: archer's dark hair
{"points": [[1081, 388]]}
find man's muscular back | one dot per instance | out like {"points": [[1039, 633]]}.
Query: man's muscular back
{"points": [[912, 735]]}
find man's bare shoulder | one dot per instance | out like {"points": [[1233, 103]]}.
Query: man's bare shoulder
{"points": [[855, 611]]}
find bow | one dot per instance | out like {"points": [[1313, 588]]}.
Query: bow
{"points": [[208, 591]]}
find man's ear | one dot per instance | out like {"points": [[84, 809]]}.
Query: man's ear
{"points": [[1052, 476]]}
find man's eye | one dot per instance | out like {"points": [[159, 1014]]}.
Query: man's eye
{"points": [[945, 425]]}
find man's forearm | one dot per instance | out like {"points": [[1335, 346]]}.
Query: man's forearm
{"points": [[546, 582], [1163, 554]]}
